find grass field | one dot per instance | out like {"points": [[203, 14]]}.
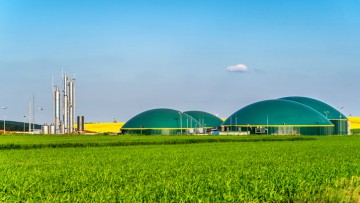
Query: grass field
{"points": [[67, 141], [355, 132], [324, 169]]}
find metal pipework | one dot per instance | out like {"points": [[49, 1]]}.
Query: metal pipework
{"points": [[71, 106], [65, 114], [65, 104], [65, 123], [57, 110]]}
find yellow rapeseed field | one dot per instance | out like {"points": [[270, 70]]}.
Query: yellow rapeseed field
{"points": [[355, 122], [103, 127]]}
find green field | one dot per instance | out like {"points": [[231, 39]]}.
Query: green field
{"points": [[66, 141], [179, 169], [355, 131]]}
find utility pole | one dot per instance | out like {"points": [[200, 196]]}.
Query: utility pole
{"points": [[33, 111], [4, 108], [340, 130]]}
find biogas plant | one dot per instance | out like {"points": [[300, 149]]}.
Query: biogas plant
{"points": [[284, 116]]}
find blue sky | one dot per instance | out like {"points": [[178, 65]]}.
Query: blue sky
{"points": [[131, 56]]}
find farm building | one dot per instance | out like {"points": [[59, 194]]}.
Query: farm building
{"points": [[287, 115], [278, 116], [340, 121], [161, 122], [205, 119]]}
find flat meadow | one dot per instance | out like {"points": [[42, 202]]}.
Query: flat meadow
{"points": [[179, 168]]}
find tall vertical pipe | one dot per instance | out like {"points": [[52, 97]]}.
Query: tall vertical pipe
{"points": [[57, 110], [65, 104], [71, 106], [65, 120], [74, 102], [53, 99]]}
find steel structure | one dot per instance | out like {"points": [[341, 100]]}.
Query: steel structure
{"points": [[64, 123]]}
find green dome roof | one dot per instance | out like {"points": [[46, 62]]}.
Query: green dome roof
{"points": [[277, 112], [161, 119], [205, 119], [323, 108]]}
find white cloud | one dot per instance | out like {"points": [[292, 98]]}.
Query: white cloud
{"points": [[238, 68]]}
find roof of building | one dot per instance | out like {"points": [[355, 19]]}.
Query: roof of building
{"points": [[323, 108], [277, 112], [205, 119], [161, 119]]}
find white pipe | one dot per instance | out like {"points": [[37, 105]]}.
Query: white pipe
{"points": [[57, 110], [74, 100], [71, 106], [65, 104]]}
